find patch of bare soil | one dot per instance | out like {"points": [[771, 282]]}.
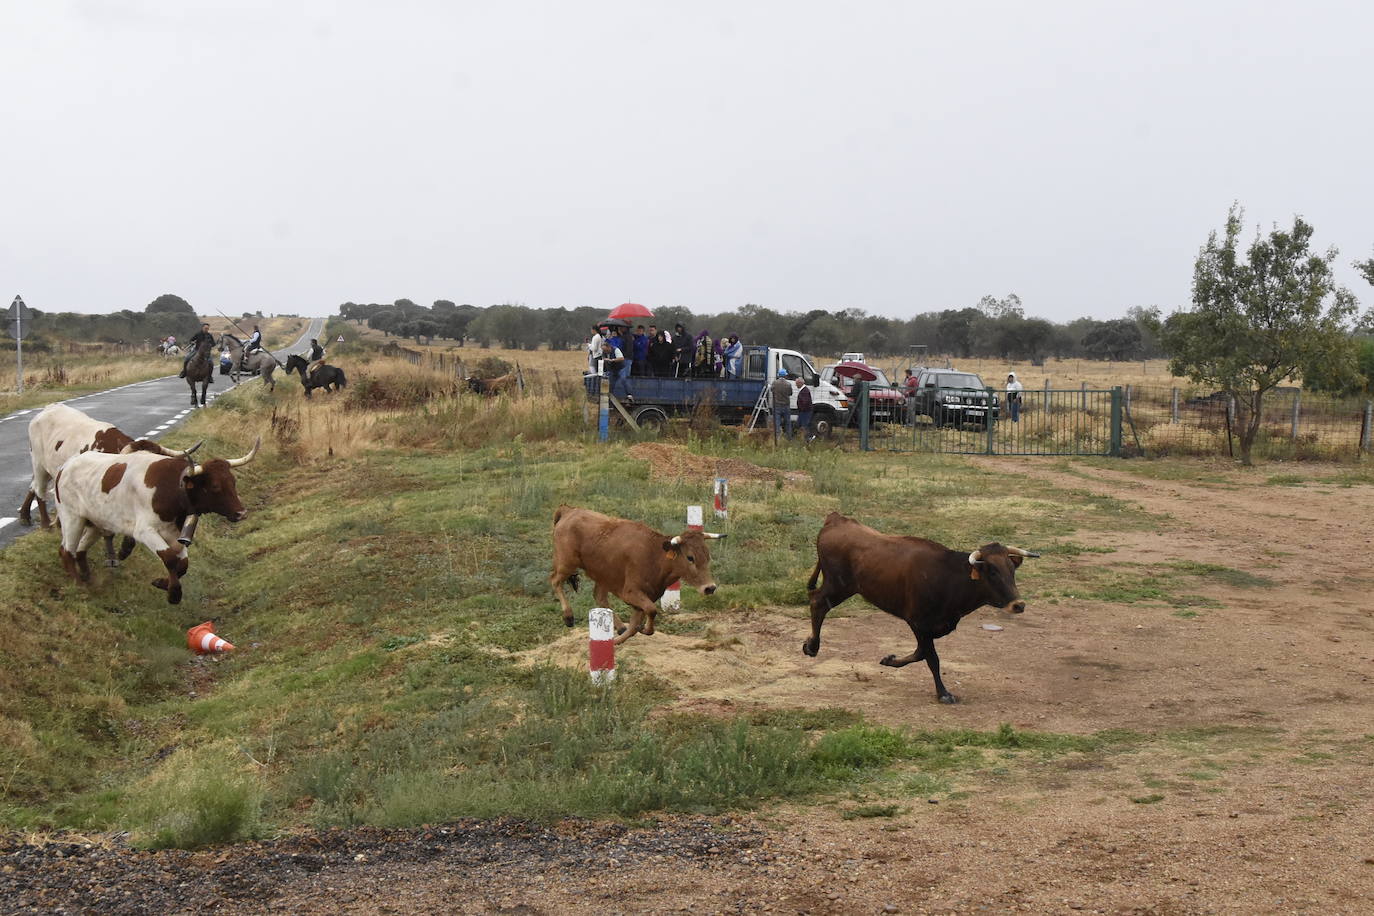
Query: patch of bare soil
{"points": [[1248, 797], [675, 462]]}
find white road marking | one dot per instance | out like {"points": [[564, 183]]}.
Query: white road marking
{"points": [[7, 521]]}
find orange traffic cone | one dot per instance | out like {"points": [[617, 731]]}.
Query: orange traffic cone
{"points": [[202, 642]]}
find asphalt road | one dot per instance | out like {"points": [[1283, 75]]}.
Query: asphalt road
{"points": [[142, 409]]}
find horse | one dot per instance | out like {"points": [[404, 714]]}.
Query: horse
{"points": [[168, 350], [322, 377], [201, 369], [257, 361]]}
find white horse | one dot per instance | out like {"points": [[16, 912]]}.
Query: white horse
{"points": [[168, 350], [257, 361]]}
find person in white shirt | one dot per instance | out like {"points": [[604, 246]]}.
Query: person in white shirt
{"points": [[1014, 389], [594, 349]]}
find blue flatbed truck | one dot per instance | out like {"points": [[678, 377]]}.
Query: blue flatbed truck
{"points": [[656, 399]]}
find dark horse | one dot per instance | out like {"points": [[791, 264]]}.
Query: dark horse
{"points": [[323, 377], [200, 369]]}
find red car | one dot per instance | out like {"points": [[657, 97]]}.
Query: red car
{"points": [[886, 403]]}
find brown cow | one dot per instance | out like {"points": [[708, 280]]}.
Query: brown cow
{"points": [[926, 584], [627, 559]]}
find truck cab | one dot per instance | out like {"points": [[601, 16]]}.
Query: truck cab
{"points": [[830, 406]]}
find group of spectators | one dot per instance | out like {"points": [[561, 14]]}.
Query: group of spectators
{"points": [[651, 352]]}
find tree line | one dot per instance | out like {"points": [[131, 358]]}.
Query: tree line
{"points": [[167, 314], [992, 328]]}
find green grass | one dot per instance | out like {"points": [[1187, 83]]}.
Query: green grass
{"points": [[383, 607]]}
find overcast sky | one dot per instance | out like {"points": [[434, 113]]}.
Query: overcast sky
{"points": [[898, 157]]}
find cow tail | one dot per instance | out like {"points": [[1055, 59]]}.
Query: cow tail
{"points": [[815, 575], [558, 515]]}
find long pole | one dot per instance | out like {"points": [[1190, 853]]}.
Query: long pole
{"points": [[19, 357]]}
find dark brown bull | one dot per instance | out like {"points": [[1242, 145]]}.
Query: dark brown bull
{"points": [[491, 387], [627, 559], [924, 583]]}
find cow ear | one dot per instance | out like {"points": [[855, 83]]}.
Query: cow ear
{"points": [[669, 548], [974, 574], [1016, 560]]}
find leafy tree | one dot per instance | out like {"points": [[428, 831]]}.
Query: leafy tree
{"points": [[1117, 339], [1259, 317], [168, 302], [1008, 307]]}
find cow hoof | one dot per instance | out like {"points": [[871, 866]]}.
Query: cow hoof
{"points": [[174, 596], [568, 622], [112, 562], [620, 630], [160, 583], [949, 698], [809, 647], [888, 660]]}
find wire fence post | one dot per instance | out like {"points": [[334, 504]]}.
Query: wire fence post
{"points": [[1365, 426], [1173, 410], [863, 414], [1297, 410], [1083, 398]]}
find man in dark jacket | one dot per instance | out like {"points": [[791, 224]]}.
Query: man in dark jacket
{"points": [[780, 405], [683, 347], [194, 344], [803, 410]]}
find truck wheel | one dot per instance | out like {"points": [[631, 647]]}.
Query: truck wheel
{"points": [[823, 424], [651, 419]]}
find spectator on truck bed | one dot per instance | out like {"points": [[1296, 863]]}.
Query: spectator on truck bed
{"points": [[661, 355]]}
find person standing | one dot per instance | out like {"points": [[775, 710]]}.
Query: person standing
{"points": [[1014, 389], [639, 351], [661, 355], [683, 346], [732, 353], [804, 402], [909, 389], [781, 405], [594, 349]]}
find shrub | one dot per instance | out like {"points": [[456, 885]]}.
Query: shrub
{"points": [[197, 798]]}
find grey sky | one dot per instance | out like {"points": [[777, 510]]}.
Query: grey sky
{"points": [[895, 157]]}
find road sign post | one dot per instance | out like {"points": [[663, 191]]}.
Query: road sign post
{"points": [[19, 316]]}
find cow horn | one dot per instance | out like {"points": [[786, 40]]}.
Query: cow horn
{"points": [[188, 452], [976, 557], [236, 462], [1022, 553], [677, 539], [712, 535]]}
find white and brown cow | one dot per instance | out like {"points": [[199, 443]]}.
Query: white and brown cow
{"points": [[628, 559], [146, 496], [59, 432]]}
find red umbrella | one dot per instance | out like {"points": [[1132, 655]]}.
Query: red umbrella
{"points": [[631, 310], [850, 369]]}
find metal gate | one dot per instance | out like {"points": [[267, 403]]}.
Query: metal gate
{"points": [[1044, 422]]}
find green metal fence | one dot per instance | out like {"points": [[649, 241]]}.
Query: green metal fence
{"points": [[1045, 422]]}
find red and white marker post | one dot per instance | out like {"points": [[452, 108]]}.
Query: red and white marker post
{"points": [[601, 645], [721, 496], [672, 598]]}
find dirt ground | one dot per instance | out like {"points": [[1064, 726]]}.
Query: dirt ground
{"points": [[1260, 805]]}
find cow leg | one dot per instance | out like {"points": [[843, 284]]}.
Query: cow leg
{"points": [[126, 547], [88, 536], [173, 558], [66, 551], [643, 608], [556, 580], [822, 600], [110, 559]]}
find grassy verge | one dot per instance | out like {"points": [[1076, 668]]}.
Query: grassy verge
{"points": [[386, 594]]}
